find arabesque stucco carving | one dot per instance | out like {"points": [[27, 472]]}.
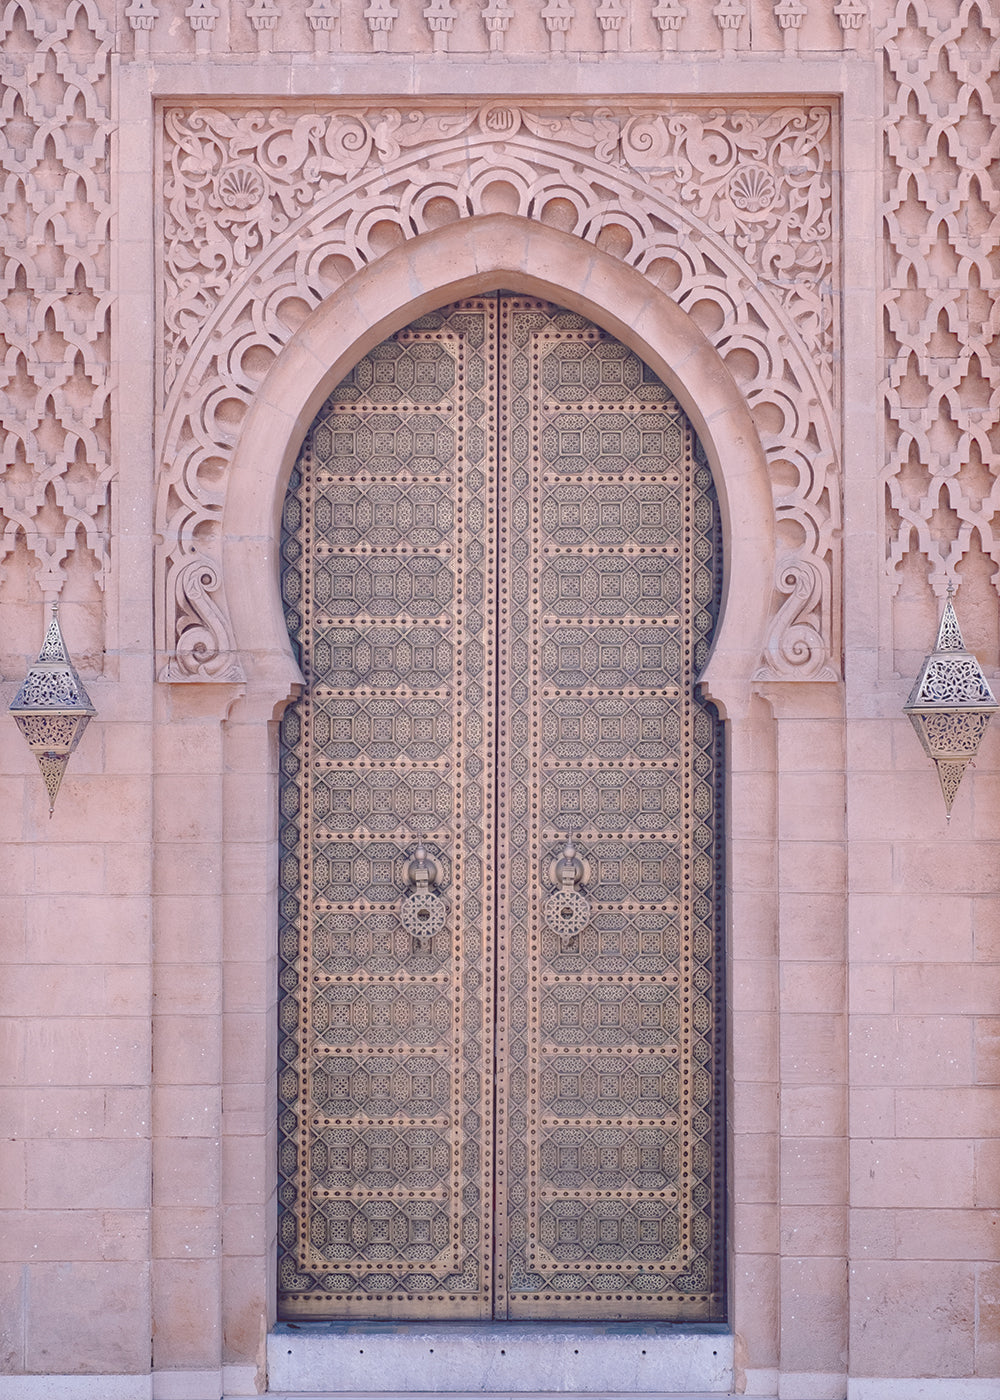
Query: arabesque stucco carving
{"points": [[267, 213]]}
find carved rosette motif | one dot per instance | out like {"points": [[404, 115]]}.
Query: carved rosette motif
{"points": [[942, 279], [54, 317], [267, 213]]}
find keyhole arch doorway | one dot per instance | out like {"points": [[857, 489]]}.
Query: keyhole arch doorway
{"points": [[502, 571], [470, 257]]}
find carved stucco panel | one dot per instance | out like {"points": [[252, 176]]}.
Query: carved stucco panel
{"points": [[56, 471], [267, 212], [941, 279]]}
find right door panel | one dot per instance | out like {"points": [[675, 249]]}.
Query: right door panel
{"points": [[609, 1164]]}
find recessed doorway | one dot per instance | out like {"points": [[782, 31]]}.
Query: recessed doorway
{"points": [[501, 1037]]}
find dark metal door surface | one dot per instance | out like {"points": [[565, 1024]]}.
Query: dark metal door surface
{"points": [[501, 572]]}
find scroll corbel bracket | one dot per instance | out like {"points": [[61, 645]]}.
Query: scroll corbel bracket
{"points": [[204, 649], [796, 648]]}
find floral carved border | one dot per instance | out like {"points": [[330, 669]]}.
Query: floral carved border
{"points": [[731, 210]]}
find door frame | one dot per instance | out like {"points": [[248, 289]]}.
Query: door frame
{"points": [[497, 1239]]}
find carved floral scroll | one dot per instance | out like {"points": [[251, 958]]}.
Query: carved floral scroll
{"points": [[732, 210]]}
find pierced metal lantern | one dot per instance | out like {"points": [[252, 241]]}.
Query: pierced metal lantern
{"points": [[52, 708], [950, 705]]}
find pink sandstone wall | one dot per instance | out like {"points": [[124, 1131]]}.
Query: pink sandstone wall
{"points": [[77, 920], [138, 925]]}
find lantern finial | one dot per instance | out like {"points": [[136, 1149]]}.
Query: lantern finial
{"points": [[950, 705], [52, 708]]}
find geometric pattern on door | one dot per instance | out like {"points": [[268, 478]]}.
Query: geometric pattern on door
{"points": [[501, 569]]}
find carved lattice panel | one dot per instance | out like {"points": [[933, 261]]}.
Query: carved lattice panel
{"points": [[940, 279], [501, 570], [608, 1138], [55, 318], [386, 1085]]}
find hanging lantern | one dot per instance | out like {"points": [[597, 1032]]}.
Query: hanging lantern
{"points": [[52, 708], [950, 705]]}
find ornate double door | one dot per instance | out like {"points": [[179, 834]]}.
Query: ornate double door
{"points": [[500, 1020]]}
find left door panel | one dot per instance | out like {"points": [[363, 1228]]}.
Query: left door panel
{"points": [[387, 1077]]}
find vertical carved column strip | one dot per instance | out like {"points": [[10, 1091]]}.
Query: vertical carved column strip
{"points": [[497, 15], [610, 15], [202, 16], [558, 16], [142, 16], [264, 16], [324, 21], [789, 14], [381, 15], [729, 16], [440, 16], [669, 16], [851, 15]]}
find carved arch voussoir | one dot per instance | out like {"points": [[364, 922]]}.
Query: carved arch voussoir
{"points": [[268, 213]]}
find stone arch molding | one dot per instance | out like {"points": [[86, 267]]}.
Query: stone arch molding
{"points": [[713, 226]]}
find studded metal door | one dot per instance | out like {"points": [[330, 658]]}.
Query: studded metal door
{"points": [[501, 571]]}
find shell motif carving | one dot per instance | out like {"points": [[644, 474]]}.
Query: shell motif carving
{"points": [[752, 189], [264, 209], [240, 188]]}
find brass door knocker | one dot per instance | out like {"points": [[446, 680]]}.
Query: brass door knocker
{"points": [[567, 909], [422, 910]]}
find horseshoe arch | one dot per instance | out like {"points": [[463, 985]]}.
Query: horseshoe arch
{"points": [[465, 259]]}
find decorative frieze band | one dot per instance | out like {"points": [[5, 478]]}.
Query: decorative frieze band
{"points": [[732, 209], [494, 26]]}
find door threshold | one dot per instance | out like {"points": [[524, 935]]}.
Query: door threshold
{"points": [[522, 1359], [491, 1395]]}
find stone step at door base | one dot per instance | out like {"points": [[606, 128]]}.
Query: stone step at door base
{"points": [[500, 1359]]}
